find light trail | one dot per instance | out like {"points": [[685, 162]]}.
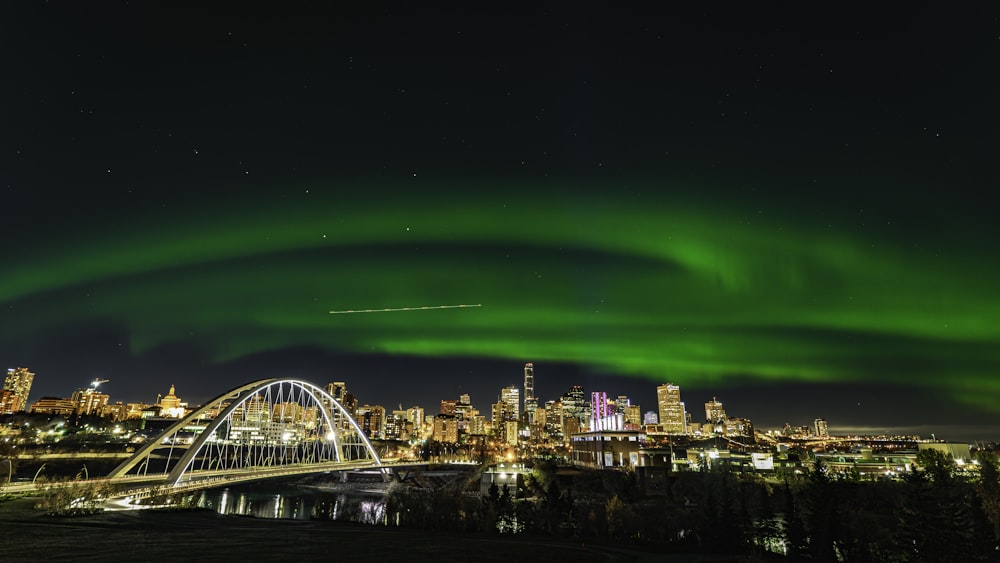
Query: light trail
{"points": [[425, 308]]}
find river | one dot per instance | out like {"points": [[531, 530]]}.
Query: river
{"points": [[278, 500]]}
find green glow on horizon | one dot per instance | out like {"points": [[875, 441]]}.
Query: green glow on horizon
{"points": [[692, 292]]}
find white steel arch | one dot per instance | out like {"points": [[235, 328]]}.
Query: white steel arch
{"points": [[263, 425]]}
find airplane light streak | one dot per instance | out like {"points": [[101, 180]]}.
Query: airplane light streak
{"points": [[424, 308]]}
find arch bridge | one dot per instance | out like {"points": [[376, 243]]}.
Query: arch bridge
{"points": [[267, 428]]}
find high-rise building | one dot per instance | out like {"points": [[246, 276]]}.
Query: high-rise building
{"points": [[530, 402], [445, 428], [370, 419], [714, 411], [650, 418], [574, 411], [477, 425], [822, 430], [394, 426], [633, 417], [7, 400], [338, 389], [18, 381], [416, 417], [448, 407], [672, 414], [620, 403], [90, 402], [502, 412], [553, 419], [512, 396], [574, 403]]}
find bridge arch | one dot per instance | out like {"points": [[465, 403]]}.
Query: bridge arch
{"points": [[265, 425]]}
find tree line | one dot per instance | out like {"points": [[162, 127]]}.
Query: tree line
{"points": [[934, 513]]}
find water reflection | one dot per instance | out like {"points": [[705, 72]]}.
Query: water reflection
{"points": [[296, 504]]}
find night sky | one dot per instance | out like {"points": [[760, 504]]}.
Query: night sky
{"points": [[791, 210]]}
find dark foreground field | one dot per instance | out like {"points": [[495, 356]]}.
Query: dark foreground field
{"points": [[147, 535]]}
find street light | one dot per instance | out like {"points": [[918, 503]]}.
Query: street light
{"points": [[36, 474]]}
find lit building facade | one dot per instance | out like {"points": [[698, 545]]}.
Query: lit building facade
{"points": [[606, 449], [89, 402], [714, 411], [445, 429], [415, 415], [553, 420], [574, 411], [171, 406], [448, 407], [673, 417], [511, 396], [633, 417], [603, 415], [370, 419], [18, 382], [822, 430], [530, 402], [7, 400], [396, 427], [54, 405]]}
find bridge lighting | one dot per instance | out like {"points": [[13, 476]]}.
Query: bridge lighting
{"points": [[330, 436]]}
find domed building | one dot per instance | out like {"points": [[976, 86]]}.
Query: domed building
{"points": [[171, 406]]}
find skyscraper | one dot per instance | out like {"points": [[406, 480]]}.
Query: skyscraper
{"points": [[714, 411], [530, 402], [574, 411], [18, 381], [511, 396], [672, 415], [822, 430]]}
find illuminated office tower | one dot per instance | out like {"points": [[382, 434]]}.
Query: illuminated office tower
{"points": [[633, 417], [394, 427], [821, 428], [574, 411], [502, 412], [90, 402], [416, 417], [512, 397], [448, 407], [553, 419], [370, 418], [714, 411], [338, 389], [621, 403], [530, 402], [672, 415], [18, 382], [574, 404]]}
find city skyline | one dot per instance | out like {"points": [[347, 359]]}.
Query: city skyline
{"points": [[783, 209], [667, 396]]}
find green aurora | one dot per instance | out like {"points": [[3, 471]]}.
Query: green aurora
{"points": [[683, 292]]}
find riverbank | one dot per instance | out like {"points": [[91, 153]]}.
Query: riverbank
{"points": [[28, 535]]}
